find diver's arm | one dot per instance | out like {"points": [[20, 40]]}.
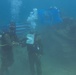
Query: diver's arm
{"points": [[23, 42]]}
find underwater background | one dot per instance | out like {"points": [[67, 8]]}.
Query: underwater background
{"points": [[59, 42]]}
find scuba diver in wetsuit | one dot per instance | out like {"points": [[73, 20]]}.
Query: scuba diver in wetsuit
{"points": [[35, 50], [12, 31], [7, 50]]}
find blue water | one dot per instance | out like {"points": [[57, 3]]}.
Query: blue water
{"points": [[59, 42], [67, 8]]}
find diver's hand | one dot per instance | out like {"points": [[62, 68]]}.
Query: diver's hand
{"points": [[15, 43]]}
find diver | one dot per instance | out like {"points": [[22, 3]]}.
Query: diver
{"points": [[7, 44], [6, 53], [35, 51], [12, 32]]}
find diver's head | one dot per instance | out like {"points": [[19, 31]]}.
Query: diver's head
{"points": [[12, 27]]}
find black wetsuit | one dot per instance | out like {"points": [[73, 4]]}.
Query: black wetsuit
{"points": [[34, 51]]}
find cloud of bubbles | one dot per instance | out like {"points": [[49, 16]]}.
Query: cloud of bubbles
{"points": [[15, 9]]}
